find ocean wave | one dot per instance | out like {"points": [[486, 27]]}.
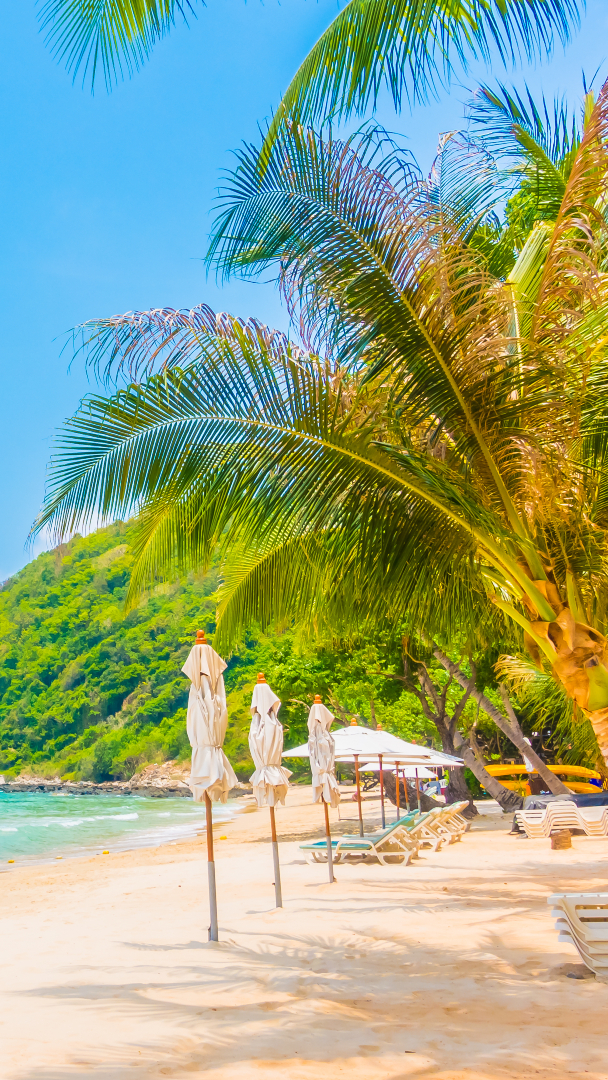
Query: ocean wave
{"points": [[44, 827]]}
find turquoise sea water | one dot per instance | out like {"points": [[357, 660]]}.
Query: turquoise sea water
{"points": [[37, 828]]}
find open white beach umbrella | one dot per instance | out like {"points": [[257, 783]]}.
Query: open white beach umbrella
{"points": [[404, 770], [354, 743], [322, 753], [270, 779], [211, 774], [402, 753], [437, 759]]}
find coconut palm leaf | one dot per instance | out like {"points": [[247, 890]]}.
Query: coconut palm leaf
{"points": [[446, 457], [511, 125], [411, 47], [358, 253], [251, 420], [107, 38], [536, 146]]}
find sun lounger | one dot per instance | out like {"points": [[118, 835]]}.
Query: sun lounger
{"points": [[401, 840], [427, 829], [457, 815], [393, 844], [581, 919], [592, 820], [450, 822]]}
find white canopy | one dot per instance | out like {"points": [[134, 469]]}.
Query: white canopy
{"points": [[365, 743], [206, 725], [407, 770], [440, 760], [322, 753], [270, 779]]}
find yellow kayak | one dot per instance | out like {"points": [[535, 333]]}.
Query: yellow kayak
{"points": [[580, 786]]}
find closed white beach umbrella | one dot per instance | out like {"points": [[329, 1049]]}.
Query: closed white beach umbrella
{"points": [[270, 779], [322, 752], [211, 774]]}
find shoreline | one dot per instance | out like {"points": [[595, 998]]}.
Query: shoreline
{"points": [[136, 786], [55, 827]]}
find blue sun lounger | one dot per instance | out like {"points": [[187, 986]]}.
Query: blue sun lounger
{"points": [[395, 844]]}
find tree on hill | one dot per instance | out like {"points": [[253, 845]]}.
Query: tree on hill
{"points": [[91, 693]]}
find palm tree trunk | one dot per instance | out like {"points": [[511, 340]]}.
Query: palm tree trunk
{"points": [[599, 723], [514, 733], [390, 787], [457, 789], [508, 800]]}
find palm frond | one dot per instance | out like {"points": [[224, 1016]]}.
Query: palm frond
{"points": [[508, 124], [253, 440], [572, 280], [536, 146], [330, 583], [107, 38], [140, 343], [410, 48], [380, 275]]}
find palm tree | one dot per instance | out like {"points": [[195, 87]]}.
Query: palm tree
{"points": [[443, 462], [408, 45]]}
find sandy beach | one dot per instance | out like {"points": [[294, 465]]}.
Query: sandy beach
{"points": [[449, 968]]}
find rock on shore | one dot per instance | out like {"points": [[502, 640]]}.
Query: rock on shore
{"points": [[169, 780]]}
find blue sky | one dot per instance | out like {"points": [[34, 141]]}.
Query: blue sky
{"points": [[106, 200]]}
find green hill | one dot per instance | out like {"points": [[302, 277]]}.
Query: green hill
{"points": [[90, 693]]}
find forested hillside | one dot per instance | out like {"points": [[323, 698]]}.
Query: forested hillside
{"points": [[91, 693]]}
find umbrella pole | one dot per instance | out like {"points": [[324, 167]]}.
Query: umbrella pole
{"points": [[417, 790], [382, 792], [397, 792], [211, 871], [407, 796], [275, 856], [330, 854], [359, 794]]}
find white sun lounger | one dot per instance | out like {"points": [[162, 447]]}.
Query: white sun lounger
{"points": [[451, 822], [593, 820], [427, 829], [581, 919]]}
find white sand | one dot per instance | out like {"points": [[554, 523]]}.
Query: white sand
{"points": [[444, 970]]}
